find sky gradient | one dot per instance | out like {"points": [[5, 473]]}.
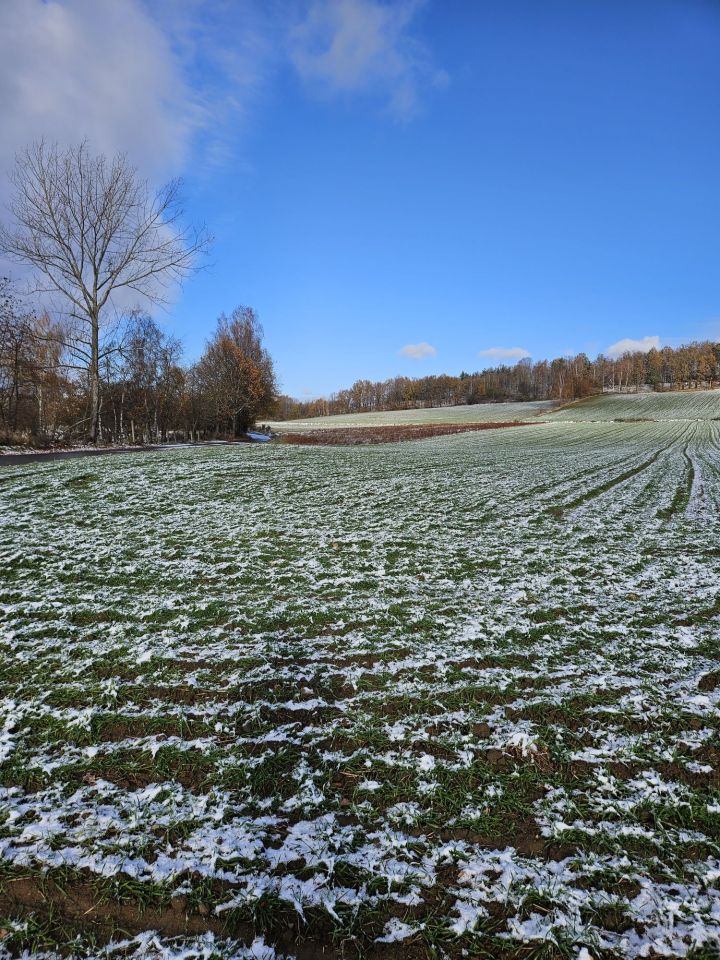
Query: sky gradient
{"points": [[408, 187]]}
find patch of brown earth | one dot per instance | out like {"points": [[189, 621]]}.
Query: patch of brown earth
{"points": [[709, 682], [77, 907], [281, 716], [138, 770], [547, 713], [675, 772], [505, 661], [176, 694], [522, 834], [354, 436], [135, 728]]}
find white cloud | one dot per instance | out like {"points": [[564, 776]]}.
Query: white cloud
{"points": [[417, 350], [363, 46], [168, 82], [173, 82], [633, 346], [97, 70], [504, 353], [228, 53]]}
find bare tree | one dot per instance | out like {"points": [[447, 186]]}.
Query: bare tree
{"points": [[91, 228], [16, 355], [151, 381], [31, 380]]}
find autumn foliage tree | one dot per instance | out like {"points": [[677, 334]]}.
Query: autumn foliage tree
{"points": [[147, 395], [236, 375]]}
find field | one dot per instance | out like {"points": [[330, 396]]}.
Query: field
{"points": [[458, 697], [387, 433], [700, 405], [679, 405], [471, 413]]}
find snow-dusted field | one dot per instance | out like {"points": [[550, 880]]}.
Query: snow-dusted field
{"points": [[457, 695], [674, 405], [470, 413], [677, 405]]}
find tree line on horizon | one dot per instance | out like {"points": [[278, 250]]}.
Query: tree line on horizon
{"points": [[691, 366], [147, 395]]}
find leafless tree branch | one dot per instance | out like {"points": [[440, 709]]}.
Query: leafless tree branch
{"points": [[91, 227]]}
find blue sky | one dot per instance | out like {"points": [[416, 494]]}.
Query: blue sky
{"points": [[446, 177]]}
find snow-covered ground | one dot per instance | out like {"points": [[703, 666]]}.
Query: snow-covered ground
{"points": [[673, 405], [461, 693], [469, 413]]}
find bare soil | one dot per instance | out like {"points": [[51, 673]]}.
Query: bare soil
{"points": [[354, 436]]}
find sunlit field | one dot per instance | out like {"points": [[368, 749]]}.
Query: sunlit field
{"points": [[455, 697], [674, 405], [470, 413]]}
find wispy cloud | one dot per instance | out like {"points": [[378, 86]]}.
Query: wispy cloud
{"points": [[364, 46], [417, 350], [228, 54], [504, 353], [175, 83], [629, 345]]}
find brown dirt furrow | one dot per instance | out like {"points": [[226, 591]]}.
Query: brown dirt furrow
{"points": [[77, 907], [355, 436]]}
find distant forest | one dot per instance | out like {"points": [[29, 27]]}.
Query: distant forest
{"points": [[692, 366]]}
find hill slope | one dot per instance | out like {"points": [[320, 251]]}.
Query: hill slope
{"points": [[682, 405], [474, 413]]}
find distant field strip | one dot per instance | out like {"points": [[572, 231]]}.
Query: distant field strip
{"points": [[680, 405], [471, 413], [352, 436], [451, 698]]}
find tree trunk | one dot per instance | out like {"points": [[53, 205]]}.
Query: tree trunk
{"points": [[94, 374], [41, 411], [16, 386]]}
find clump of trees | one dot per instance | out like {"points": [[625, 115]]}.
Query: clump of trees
{"points": [[145, 392], [236, 373], [97, 240], [92, 231], [32, 388], [692, 366]]}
